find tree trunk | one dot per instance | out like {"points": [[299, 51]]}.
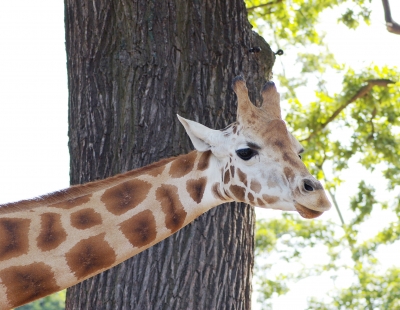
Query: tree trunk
{"points": [[132, 66]]}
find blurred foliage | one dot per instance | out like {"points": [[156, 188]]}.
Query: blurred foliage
{"points": [[55, 301], [359, 123], [294, 21]]}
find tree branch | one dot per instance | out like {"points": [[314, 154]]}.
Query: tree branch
{"points": [[263, 5], [391, 25], [333, 197], [359, 94]]}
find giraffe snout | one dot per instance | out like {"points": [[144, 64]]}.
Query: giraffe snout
{"points": [[311, 195]]}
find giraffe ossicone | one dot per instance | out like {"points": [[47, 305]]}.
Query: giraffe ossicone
{"points": [[57, 240]]}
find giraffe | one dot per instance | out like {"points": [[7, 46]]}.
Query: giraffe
{"points": [[60, 239]]}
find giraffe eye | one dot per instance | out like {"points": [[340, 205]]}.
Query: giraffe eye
{"points": [[299, 156], [246, 154]]}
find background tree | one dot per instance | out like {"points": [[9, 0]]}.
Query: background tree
{"points": [[132, 65]]}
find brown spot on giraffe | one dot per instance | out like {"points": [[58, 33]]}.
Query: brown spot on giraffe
{"points": [[291, 159], [250, 197], [89, 256], [196, 188], [204, 161], [13, 237], [280, 144], [52, 234], [26, 283], [182, 165], [156, 171], [289, 173], [140, 229], [255, 186], [86, 218], [125, 196], [252, 119], [171, 205], [242, 176], [270, 199], [260, 202], [74, 202], [227, 177], [232, 171], [238, 192], [216, 192]]}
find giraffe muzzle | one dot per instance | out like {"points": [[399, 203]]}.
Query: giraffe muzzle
{"points": [[306, 212], [311, 200]]}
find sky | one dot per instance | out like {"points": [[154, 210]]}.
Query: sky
{"points": [[34, 157]]}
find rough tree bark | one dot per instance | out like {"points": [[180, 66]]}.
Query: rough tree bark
{"points": [[132, 65]]}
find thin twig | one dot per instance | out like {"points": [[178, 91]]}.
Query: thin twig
{"points": [[263, 5], [359, 94], [336, 206]]}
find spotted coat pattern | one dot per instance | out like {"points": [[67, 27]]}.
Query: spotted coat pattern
{"points": [[52, 243]]}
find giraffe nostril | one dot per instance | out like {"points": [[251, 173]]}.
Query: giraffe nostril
{"points": [[308, 186]]}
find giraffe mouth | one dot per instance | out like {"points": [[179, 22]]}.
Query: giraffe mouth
{"points": [[306, 212]]}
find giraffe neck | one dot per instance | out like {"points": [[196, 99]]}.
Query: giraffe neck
{"points": [[56, 241]]}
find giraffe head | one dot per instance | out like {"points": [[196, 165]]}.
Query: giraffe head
{"points": [[258, 160]]}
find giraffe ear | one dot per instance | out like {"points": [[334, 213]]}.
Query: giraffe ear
{"points": [[202, 137]]}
